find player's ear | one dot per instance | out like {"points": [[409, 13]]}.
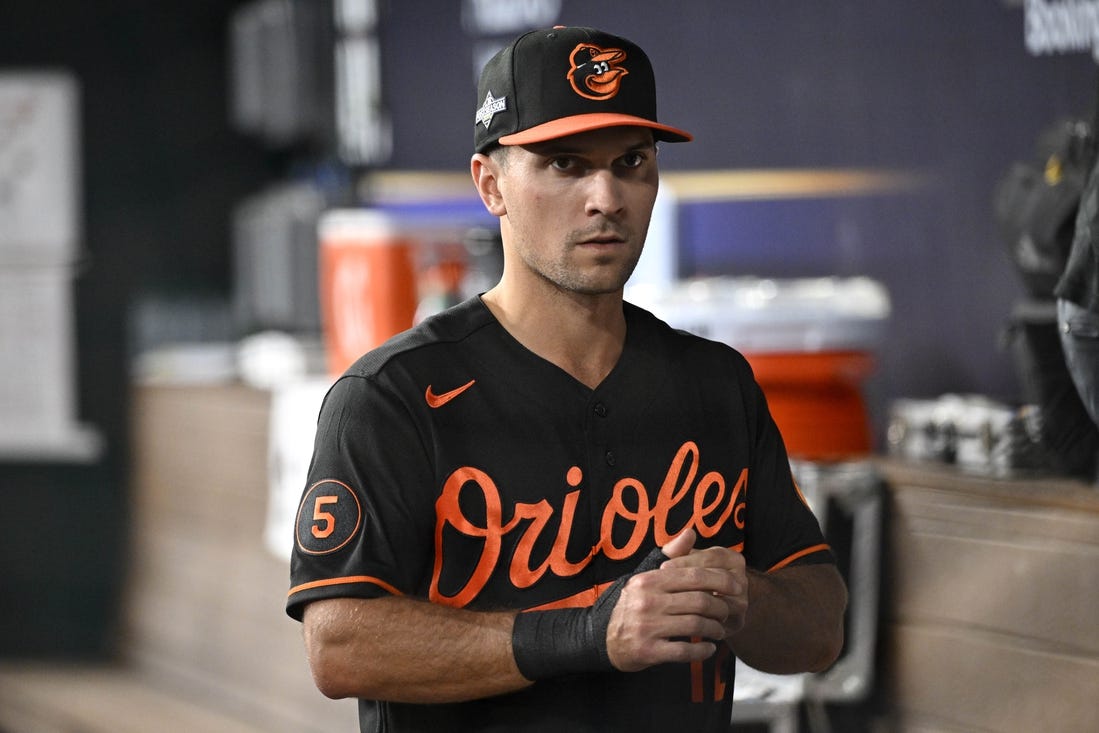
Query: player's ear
{"points": [[486, 177]]}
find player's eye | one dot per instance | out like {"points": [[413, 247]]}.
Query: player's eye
{"points": [[632, 160], [563, 163]]}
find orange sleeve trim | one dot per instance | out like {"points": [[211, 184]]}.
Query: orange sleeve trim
{"points": [[799, 555], [345, 581]]}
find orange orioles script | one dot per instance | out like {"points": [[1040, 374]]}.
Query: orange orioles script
{"points": [[712, 503]]}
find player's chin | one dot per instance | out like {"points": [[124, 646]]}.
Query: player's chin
{"points": [[607, 280]]}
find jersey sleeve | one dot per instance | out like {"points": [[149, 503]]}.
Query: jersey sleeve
{"points": [[780, 528], [362, 525]]}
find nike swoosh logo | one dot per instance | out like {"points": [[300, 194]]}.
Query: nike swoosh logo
{"points": [[438, 400]]}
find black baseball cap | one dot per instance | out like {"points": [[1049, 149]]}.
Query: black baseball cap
{"points": [[560, 81]]}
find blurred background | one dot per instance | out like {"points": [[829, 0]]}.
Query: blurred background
{"points": [[169, 172]]}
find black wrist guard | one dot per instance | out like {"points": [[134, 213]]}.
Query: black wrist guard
{"points": [[568, 640]]}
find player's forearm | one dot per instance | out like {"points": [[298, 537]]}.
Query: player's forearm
{"points": [[794, 621], [405, 650]]}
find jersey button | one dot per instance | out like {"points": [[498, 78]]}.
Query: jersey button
{"points": [[600, 409], [610, 458]]}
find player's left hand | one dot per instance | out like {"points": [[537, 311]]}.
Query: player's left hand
{"points": [[683, 556]]}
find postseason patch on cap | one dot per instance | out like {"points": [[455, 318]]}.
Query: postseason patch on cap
{"points": [[489, 108]]}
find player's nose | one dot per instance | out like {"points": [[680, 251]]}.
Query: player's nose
{"points": [[605, 194]]}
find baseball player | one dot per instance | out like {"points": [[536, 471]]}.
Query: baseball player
{"points": [[544, 509]]}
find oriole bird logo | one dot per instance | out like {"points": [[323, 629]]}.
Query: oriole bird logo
{"points": [[596, 72]]}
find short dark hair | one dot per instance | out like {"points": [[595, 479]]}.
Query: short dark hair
{"points": [[498, 153]]}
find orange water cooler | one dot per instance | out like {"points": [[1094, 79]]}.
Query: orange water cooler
{"points": [[368, 282], [809, 341], [816, 400]]}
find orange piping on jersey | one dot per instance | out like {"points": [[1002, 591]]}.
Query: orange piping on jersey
{"points": [[798, 490], [696, 677], [797, 555], [583, 599], [345, 581]]}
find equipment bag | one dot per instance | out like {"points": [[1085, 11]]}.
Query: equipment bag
{"points": [[1035, 203]]}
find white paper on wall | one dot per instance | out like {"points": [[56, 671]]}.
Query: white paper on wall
{"points": [[39, 165], [39, 236]]}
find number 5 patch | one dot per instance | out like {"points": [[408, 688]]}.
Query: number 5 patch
{"points": [[329, 516]]}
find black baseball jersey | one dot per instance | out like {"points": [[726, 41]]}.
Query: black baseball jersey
{"points": [[453, 464]]}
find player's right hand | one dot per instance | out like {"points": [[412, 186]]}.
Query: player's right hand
{"points": [[675, 613]]}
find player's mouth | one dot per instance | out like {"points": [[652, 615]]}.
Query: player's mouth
{"points": [[606, 239]]}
